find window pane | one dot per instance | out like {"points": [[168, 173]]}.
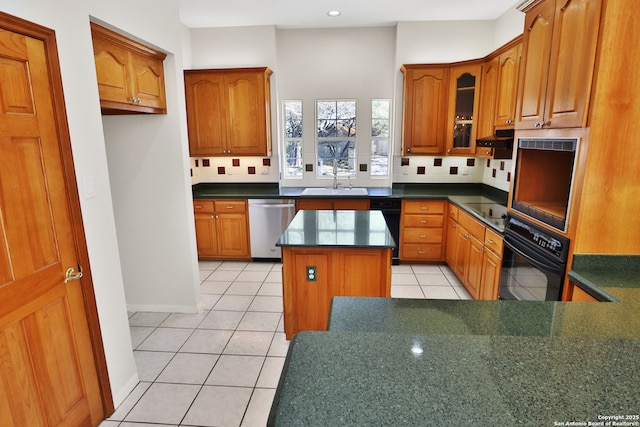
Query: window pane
{"points": [[379, 165], [326, 110], [336, 149], [293, 158], [380, 109], [380, 147], [327, 128], [380, 127], [293, 119], [346, 109]]}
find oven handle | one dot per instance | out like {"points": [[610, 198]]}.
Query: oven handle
{"points": [[552, 268]]}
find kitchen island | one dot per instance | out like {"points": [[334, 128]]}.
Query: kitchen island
{"points": [[450, 363], [329, 253]]}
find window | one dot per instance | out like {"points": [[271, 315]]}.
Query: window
{"points": [[380, 131], [293, 138], [336, 137]]}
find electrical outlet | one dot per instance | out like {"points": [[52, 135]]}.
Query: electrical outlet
{"points": [[311, 273]]}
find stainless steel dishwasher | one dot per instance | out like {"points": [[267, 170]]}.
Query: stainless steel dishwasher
{"points": [[268, 218]]}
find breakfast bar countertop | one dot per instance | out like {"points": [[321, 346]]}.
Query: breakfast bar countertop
{"points": [[449, 363]]}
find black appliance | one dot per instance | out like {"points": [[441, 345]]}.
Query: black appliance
{"points": [[534, 262], [502, 138], [390, 209]]}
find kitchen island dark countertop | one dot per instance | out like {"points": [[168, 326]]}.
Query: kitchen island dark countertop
{"points": [[340, 229]]}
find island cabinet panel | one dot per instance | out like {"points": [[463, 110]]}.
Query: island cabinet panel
{"points": [[331, 204], [579, 295], [559, 54], [336, 272], [422, 230]]}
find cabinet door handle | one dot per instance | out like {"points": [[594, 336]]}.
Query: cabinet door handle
{"points": [[424, 208], [489, 241], [230, 207], [421, 252], [423, 221], [508, 121], [423, 236], [198, 206], [408, 150], [454, 225]]}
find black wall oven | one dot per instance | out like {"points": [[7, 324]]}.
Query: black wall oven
{"points": [[534, 262]]}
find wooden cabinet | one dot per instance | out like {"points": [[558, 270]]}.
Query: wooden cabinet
{"points": [[222, 228], [464, 99], [333, 204], [474, 253], [558, 57], [579, 295], [229, 112], [338, 272], [507, 87], [424, 109], [498, 94], [130, 75], [422, 230]]}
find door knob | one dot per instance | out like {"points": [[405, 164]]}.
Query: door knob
{"points": [[71, 274]]}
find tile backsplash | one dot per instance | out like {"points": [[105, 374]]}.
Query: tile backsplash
{"points": [[428, 169]]}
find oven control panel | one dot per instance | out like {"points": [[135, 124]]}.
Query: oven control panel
{"points": [[543, 239]]}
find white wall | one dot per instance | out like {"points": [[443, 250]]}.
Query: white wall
{"points": [[162, 140], [360, 63]]}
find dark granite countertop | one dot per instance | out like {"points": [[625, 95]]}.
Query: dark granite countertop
{"points": [[344, 229], [607, 277], [393, 379], [466, 196], [414, 362]]}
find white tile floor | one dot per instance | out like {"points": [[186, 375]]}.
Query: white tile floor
{"points": [[221, 367]]}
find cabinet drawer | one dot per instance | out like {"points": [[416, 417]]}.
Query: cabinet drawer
{"points": [[493, 241], [422, 235], [472, 225], [222, 206], [423, 220], [453, 212], [421, 252], [203, 206], [424, 206]]}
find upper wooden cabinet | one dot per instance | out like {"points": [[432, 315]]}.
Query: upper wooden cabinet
{"points": [[424, 109], [130, 74], [464, 98], [229, 112], [558, 57], [507, 87]]}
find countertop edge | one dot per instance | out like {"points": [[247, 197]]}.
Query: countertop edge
{"points": [[590, 287]]}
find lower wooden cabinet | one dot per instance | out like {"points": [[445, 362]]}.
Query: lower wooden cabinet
{"points": [[222, 229], [422, 230], [331, 204], [578, 295], [338, 272], [474, 253]]}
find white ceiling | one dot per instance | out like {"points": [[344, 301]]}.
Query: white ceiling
{"points": [[354, 13]]}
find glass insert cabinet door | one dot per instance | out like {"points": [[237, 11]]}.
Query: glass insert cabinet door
{"points": [[463, 108]]}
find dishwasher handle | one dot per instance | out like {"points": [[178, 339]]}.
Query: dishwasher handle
{"points": [[274, 206]]}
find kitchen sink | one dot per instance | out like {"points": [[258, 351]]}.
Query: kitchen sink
{"points": [[322, 191]]}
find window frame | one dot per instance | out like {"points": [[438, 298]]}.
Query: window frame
{"points": [[317, 140], [286, 139]]}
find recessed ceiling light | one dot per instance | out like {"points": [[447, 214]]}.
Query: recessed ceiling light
{"points": [[333, 13]]}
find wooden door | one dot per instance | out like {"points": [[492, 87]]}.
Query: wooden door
{"points": [[111, 62], [233, 238], [572, 61], [206, 236], [488, 96], [452, 242], [424, 110], [473, 274], [491, 265], [206, 118], [48, 374], [507, 87], [464, 101], [536, 50], [245, 98], [148, 81], [461, 253]]}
